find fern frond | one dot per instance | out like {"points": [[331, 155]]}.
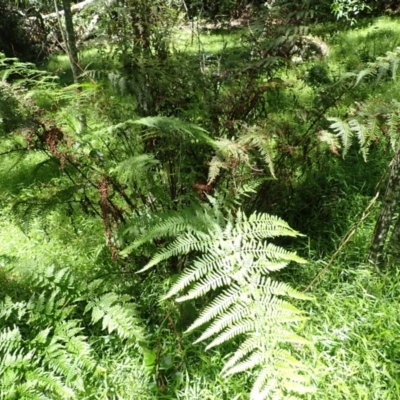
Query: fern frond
{"points": [[369, 121], [263, 226], [115, 313], [254, 359], [393, 123], [393, 58], [8, 307], [258, 139], [10, 338], [217, 307], [190, 219], [235, 257], [371, 71], [331, 140], [247, 347], [213, 281], [343, 131], [135, 169], [216, 164], [167, 125], [27, 209], [381, 67], [183, 245], [238, 312], [43, 351]]}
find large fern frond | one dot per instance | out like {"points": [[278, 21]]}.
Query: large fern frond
{"points": [[168, 125], [236, 258]]}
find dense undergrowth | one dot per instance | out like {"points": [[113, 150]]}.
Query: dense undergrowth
{"points": [[186, 146]]}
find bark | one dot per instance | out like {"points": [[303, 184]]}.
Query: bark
{"points": [[394, 242], [71, 49], [69, 40], [388, 208], [88, 33]]}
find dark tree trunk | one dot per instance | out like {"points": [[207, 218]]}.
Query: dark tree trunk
{"points": [[394, 242], [388, 208]]}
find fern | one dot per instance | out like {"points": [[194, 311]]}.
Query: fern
{"points": [[170, 125], [367, 124], [28, 208], [381, 67], [233, 152], [192, 219], [368, 120], [116, 313], [258, 139], [44, 352], [236, 259], [128, 169]]}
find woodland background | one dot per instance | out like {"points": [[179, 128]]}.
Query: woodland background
{"points": [[199, 199]]}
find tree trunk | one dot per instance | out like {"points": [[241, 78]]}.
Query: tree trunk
{"points": [[394, 242], [388, 209], [71, 49], [70, 41]]}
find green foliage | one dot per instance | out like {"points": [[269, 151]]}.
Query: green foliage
{"points": [[189, 129], [44, 349], [15, 40], [236, 258], [375, 118], [349, 9]]}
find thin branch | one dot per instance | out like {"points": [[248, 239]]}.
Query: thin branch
{"points": [[13, 151], [345, 241]]}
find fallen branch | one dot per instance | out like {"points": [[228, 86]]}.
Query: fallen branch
{"points": [[79, 7], [88, 33]]}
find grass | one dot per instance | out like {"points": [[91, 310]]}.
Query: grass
{"points": [[355, 327], [365, 43]]}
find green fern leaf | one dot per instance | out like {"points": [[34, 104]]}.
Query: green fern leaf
{"points": [[343, 131], [235, 256], [115, 313]]}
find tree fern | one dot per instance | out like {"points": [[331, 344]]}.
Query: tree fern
{"points": [[235, 258]]}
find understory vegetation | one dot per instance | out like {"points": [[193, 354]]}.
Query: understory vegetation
{"points": [[199, 201]]}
